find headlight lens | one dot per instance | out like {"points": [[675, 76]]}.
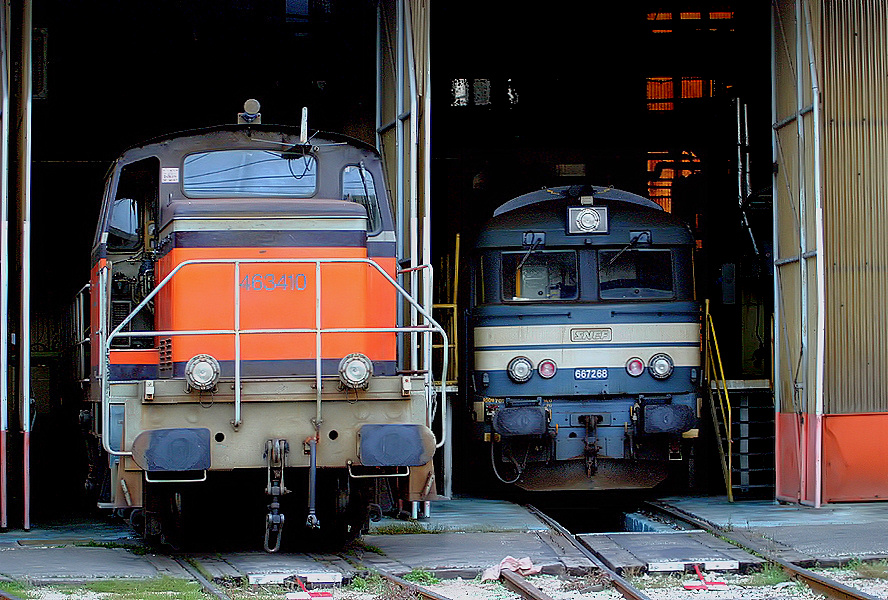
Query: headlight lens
{"points": [[355, 371], [661, 366], [520, 369], [635, 366], [202, 372], [547, 368]]}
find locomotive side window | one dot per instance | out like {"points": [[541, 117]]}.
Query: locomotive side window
{"points": [[123, 227], [630, 274], [131, 215], [249, 174], [358, 186], [539, 275]]}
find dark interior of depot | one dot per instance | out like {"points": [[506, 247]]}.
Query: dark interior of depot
{"points": [[641, 96]]}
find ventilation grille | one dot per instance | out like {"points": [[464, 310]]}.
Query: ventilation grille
{"points": [[120, 309], [165, 351]]}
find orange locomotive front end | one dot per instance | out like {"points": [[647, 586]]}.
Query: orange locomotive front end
{"points": [[244, 302]]}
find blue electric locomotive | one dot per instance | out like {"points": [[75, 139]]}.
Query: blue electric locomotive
{"points": [[586, 340]]}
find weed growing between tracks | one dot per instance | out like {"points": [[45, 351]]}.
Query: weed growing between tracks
{"points": [[870, 570], [14, 588], [771, 574], [137, 549], [421, 577]]}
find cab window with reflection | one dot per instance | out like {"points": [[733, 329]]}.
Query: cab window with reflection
{"points": [[539, 275], [131, 214], [358, 186], [250, 173], [642, 274]]}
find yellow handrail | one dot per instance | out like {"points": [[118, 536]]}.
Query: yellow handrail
{"points": [[715, 370], [451, 314]]}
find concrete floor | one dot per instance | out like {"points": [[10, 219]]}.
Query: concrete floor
{"points": [[828, 535], [466, 536]]}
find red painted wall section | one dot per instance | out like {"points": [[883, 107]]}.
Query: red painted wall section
{"points": [[855, 457], [790, 437]]}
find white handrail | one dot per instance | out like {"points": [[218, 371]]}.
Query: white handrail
{"points": [[237, 332]]}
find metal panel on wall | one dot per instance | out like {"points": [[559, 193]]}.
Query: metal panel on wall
{"points": [[830, 143], [403, 129], [798, 247], [855, 180]]}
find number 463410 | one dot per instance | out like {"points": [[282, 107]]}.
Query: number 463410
{"points": [[271, 282]]}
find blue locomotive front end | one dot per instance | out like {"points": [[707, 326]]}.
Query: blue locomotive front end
{"points": [[586, 340]]}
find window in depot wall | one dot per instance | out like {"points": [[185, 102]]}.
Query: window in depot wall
{"points": [[459, 92], [482, 92], [665, 93], [667, 21], [664, 169]]}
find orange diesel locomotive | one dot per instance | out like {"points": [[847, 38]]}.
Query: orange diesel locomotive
{"points": [[244, 339]]}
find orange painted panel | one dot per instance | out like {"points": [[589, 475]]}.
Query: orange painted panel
{"points": [[855, 457], [146, 356], [276, 296]]}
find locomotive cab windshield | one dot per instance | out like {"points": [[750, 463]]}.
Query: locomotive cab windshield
{"points": [[635, 274], [543, 275]]}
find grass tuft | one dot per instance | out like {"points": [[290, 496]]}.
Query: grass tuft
{"points": [[371, 584], [421, 577], [871, 570], [771, 574], [15, 588], [406, 527]]}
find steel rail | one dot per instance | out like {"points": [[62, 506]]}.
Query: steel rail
{"points": [[520, 586], [626, 589], [412, 587], [819, 583], [208, 586]]}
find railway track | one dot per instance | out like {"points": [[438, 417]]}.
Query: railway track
{"points": [[824, 585], [412, 587], [625, 588]]}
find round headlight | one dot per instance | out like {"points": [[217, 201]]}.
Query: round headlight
{"points": [[660, 366], [588, 219], [202, 372], [547, 368], [520, 369], [355, 371], [635, 366]]}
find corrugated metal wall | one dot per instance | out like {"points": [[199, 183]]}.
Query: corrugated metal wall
{"points": [[855, 188]]}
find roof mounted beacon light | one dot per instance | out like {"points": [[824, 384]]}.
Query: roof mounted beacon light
{"points": [[251, 114]]}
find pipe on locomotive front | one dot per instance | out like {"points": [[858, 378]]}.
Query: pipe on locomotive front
{"points": [[4, 254]]}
